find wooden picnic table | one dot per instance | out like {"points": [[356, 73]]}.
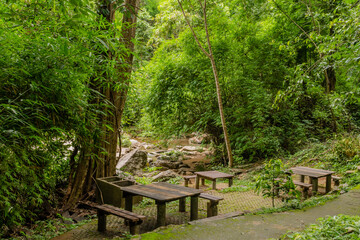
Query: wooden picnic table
{"points": [[314, 175], [162, 193], [212, 176]]}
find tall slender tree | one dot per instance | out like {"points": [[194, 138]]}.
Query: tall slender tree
{"points": [[210, 55]]}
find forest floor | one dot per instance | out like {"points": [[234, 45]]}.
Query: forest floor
{"points": [[249, 226]]}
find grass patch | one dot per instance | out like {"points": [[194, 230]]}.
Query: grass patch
{"points": [[296, 204], [336, 227]]}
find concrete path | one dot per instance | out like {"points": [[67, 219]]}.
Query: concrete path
{"points": [[260, 226]]}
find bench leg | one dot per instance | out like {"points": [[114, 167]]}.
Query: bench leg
{"points": [[305, 192], [194, 208], [328, 184], [203, 181], [197, 183], [230, 182], [182, 203], [212, 209], [134, 228], [161, 214], [214, 184], [101, 220], [186, 182]]}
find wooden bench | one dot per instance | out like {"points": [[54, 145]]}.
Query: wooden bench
{"points": [[336, 180], [132, 219], [187, 179], [305, 187], [212, 205]]}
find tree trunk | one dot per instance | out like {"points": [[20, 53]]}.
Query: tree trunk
{"points": [[100, 162], [216, 77]]}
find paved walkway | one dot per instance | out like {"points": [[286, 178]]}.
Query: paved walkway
{"points": [[260, 226]]}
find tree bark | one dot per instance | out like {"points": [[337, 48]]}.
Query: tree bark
{"points": [[101, 162]]}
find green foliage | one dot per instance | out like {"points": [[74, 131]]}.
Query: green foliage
{"points": [[297, 204], [336, 227], [143, 180], [50, 51], [274, 181], [340, 155], [239, 186], [271, 75]]}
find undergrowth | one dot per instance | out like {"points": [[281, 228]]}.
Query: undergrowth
{"points": [[336, 227]]}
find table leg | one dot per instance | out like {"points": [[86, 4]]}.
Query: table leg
{"points": [[230, 182], [314, 182], [161, 214], [101, 220], [214, 184], [128, 202], [194, 208], [197, 182], [328, 184], [182, 203], [203, 181]]}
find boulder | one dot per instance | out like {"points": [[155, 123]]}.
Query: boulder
{"points": [[165, 176], [133, 162], [185, 170], [166, 164]]}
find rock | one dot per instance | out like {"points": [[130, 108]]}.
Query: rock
{"points": [[200, 138], [124, 176], [185, 170], [165, 157], [237, 171], [124, 150], [165, 176], [184, 166], [190, 149], [167, 164], [135, 143], [150, 174], [133, 162], [147, 147], [190, 153]]}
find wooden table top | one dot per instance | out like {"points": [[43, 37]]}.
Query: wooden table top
{"points": [[161, 191], [214, 174], [311, 172]]}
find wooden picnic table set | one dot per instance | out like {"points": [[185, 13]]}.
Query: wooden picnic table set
{"points": [[161, 192], [314, 175]]}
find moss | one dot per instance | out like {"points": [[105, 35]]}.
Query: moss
{"points": [[171, 232]]}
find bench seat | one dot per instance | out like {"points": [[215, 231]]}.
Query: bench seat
{"points": [[187, 179], [132, 219], [212, 205]]}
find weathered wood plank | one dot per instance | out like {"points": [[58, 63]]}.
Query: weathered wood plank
{"points": [[161, 191], [214, 174], [210, 197]]}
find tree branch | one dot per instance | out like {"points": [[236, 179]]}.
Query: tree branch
{"points": [[192, 30], [307, 35]]}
